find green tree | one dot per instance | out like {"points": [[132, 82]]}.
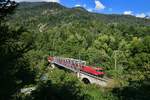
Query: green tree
{"points": [[14, 70]]}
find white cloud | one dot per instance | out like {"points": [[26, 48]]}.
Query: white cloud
{"points": [[141, 15], [77, 5], [89, 9], [128, 12], [52, 0], [99, 5], [38, 0]]}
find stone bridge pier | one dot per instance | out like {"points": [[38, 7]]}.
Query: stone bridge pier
{"points": [[90, 79]]}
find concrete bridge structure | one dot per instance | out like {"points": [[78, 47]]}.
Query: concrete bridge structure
{"points": [[75, 65]]}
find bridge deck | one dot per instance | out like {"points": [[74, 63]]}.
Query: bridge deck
{"points": [[75, 69], [70, 68]]}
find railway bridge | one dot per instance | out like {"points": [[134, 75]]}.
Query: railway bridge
{"points": [[75, 66]]}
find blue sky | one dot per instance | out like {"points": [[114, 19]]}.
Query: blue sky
{"points": [[139, 8]]}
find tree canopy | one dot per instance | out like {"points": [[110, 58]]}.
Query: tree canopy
{"points": [[118, 43]]}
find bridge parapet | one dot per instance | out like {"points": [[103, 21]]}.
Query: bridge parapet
{"points": [[88, 78], [69, 62]]}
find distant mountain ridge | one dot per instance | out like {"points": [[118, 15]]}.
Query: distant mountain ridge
{"points": [[53, 14], [51, 5]]}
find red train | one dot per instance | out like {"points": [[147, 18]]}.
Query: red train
{"points": [[88, 69], [93, 71]]}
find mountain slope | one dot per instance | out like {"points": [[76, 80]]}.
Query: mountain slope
{"points": [[33, 14], [120, 44]]}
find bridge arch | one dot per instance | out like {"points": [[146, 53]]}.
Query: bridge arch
{"points": [[86, 81]]}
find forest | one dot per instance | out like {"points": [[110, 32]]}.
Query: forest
{"points": [[30, 32]]}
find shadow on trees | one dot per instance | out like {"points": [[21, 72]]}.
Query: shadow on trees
{"points": [[136, 90], [14, 68], [50, 91]]}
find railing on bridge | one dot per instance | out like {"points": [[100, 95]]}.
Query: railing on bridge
{"points": [[69, 63]]}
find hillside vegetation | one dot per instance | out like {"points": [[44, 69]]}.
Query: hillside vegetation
{"points": [[52, 29]]}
